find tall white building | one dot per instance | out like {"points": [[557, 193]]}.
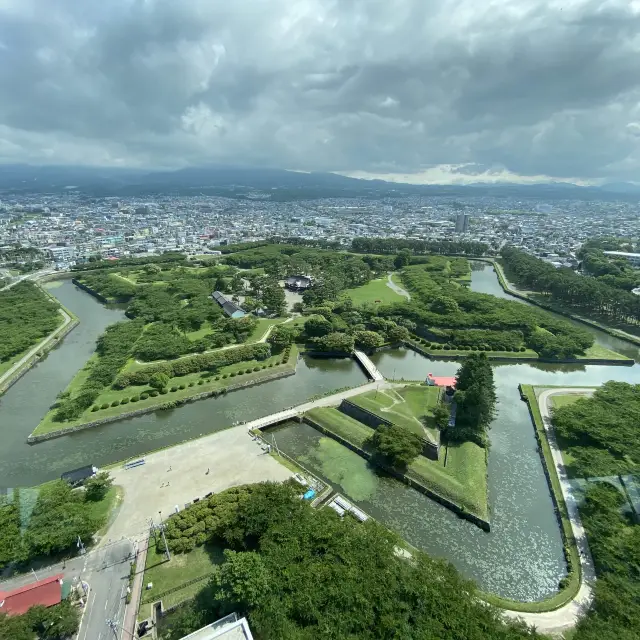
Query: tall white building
{"points": [[462, 222]]}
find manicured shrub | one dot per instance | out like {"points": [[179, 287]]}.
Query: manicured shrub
{"points": [[257, 368], [192, 384], [446, 347], [105, 405], [124, 401], [522, 349], [182, 386], [135, 398], [225, 375], [232, 374], [115, 403], [154, 393], [95, 407], [144, 396], [200, 382], [174, 389], [164, 391]]}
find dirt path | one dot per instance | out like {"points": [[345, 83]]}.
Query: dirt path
{"points": [[398, 289]]}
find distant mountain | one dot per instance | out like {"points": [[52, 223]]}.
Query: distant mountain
{"points": [[274, 184]]}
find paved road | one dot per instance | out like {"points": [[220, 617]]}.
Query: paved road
{"points": [[36, 275], [566, 617], [32, 352], [104, 572]]}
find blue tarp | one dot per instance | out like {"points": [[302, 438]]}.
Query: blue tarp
{"points": [[310, 494]]}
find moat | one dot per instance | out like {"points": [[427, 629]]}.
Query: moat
{"points": [[522, 556]]}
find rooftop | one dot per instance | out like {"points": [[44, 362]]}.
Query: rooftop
{"points": [[227, 628], [45, 592]]}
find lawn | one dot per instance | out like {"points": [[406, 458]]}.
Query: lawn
{"points": [[340, 423], [374, 291], [192, 388], [262, 327], [406, 407], [561, 401], [597, 351], [180, 570]]}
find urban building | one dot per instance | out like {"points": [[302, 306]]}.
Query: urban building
{"points": [[462, 222]]}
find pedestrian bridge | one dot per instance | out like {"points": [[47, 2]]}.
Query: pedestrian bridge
{"points": [[368, 366]]}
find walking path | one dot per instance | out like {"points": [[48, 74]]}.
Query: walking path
{"points": [[397, 288], [32, 352], [567, 616], [369, 367]]}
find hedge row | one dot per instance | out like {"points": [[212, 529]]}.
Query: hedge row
{"points": [[154, 393], [194, 364], [465, 347]]}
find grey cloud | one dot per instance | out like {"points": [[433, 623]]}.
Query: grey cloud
{"points": [[535, 86]]}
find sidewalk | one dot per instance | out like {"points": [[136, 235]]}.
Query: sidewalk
{"points": [[129, 628]]}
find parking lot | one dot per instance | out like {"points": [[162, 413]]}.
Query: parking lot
{"points": [[177, 475]]}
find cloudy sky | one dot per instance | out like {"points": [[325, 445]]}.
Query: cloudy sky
{"points": [[419, 90]]}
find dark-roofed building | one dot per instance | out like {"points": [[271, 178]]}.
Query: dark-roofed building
{"points": [[45, 592], [229, 307], [298, 283], [78, 476]]}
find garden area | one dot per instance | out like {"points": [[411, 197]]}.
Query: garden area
{"points": [[375, 291]]}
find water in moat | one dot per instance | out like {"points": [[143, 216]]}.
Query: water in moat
{"points": [[521, 557], [24, 404]]}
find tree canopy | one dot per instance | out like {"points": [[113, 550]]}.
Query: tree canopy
{"points": [[303, 574]]}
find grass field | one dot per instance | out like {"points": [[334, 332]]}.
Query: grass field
{"points": [[562, 401], [340, 423], [374, 291], [180, 570], [597, 351], [411, 407], [109, 395]]}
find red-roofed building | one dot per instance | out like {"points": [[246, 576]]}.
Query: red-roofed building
{"points": [[46, 592], [448, 382]]}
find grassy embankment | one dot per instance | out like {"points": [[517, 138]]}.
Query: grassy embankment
{"points": [[180, 578], [194, 384], [10, 362], [374, 291], [572, 582], [462, 480]]}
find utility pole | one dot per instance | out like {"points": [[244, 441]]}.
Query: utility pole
{"points": [[113, 625], [166, 546]]}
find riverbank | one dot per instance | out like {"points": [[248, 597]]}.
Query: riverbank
{"points": [[49, 429], [506, 286], [27, 360]]}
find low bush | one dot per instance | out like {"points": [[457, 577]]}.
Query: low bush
{"points": [[95, 407], [105, 405], [124, 401], [174, 389], [182, 386], [164, 391], [135, 398], [232, 374], [224, 375], [200, 382], [257, 368], [144, 396], [115, 403], [154, 393], [192, 384]]}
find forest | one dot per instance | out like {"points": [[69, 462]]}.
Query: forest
{"points": [[59, 622], [442, 247], [614, 541], [27, 315], [305, 574], [582, 294], [600, 433], [612, 271]]}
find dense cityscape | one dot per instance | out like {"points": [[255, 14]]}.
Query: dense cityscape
{"points": [[68, 229]]}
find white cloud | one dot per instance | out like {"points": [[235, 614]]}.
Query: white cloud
{"points": [[545, 89]]}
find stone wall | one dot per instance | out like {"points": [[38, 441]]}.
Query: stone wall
{"points": [[429, 449], [33, 439]]}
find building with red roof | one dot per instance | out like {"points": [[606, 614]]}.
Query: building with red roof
{"points": [[448, 382], [45, 592]]}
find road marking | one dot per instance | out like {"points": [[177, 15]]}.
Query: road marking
{"points": [[86, 609]]}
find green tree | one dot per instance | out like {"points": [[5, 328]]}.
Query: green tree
{"points": [[159, 380], [242, 582], [441, 416], [402, 259], [317, 326], [396, 444], [397, 334], [97, 487], [281, 337], [445, 304], [368, 339], [338, 342], [152, 269], [273, 298]]}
